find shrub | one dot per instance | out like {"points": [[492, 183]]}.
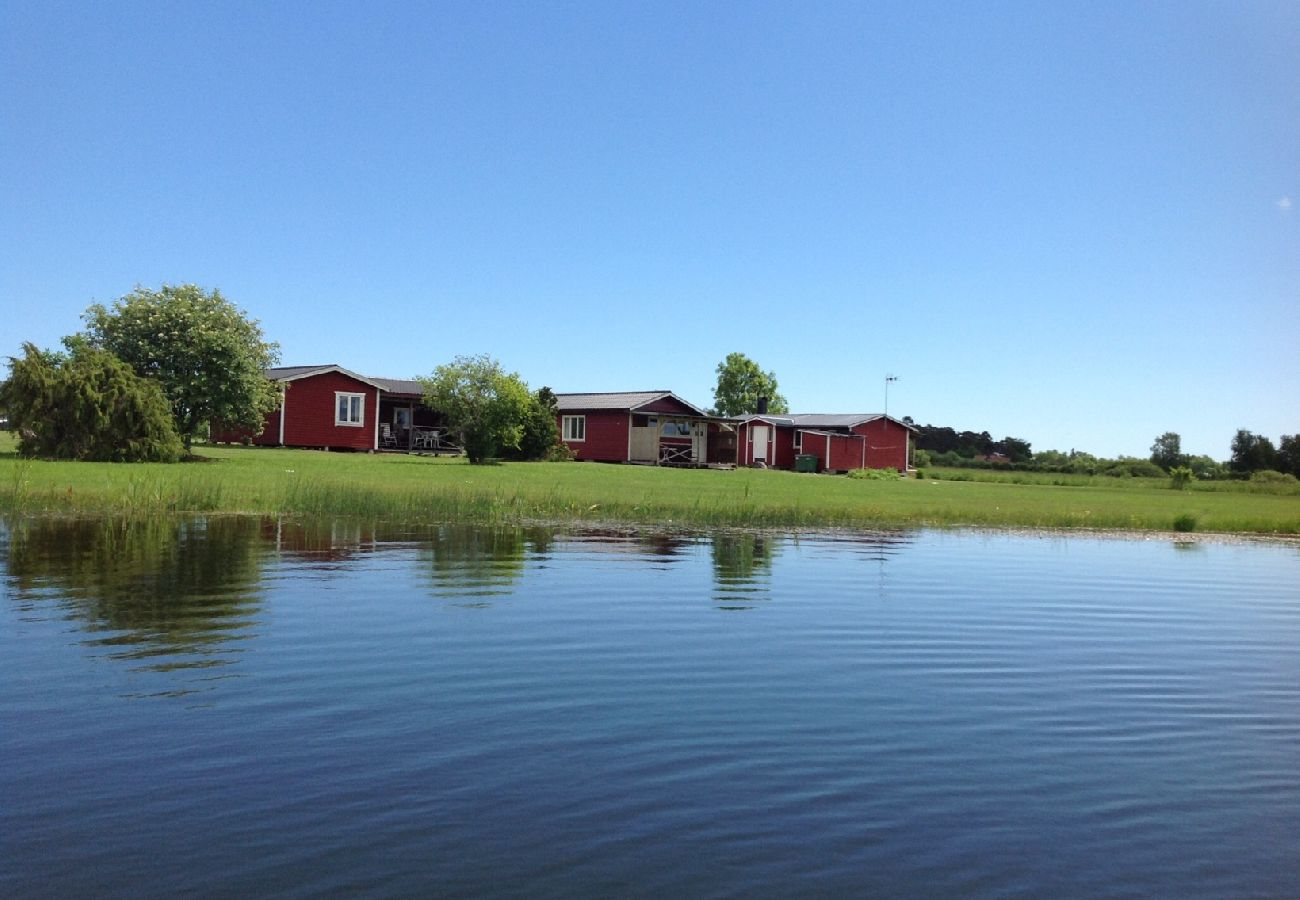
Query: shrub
{"points": [[88, 406], [1180, 477], [921, 458], [873, 474], [1271, 476], [1185, 522]]}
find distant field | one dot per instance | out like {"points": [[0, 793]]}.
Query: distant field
{"points": [[419, 489]]}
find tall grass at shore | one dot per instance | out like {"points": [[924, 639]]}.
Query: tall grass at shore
{"points": [[422, 490]]}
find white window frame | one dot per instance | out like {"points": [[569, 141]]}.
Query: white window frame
{"points": [[360, 410], [798, 441], [571, 425]]}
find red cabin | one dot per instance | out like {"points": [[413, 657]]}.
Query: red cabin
{"points": [[654, 427], [332, 408]]}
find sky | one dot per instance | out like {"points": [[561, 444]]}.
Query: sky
{"points": [[1072, 223]]}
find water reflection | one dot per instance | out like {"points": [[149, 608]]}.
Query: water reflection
{"points": [[742, 569], [179, 595], [472, 563]]}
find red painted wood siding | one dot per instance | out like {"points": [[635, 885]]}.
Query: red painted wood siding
{"points": [[606, 435], [886, 444], [310, 409]]}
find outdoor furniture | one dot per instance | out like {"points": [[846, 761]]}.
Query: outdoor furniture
{"points": [[386, 437], [674, 453]]}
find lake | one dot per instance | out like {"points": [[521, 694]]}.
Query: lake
{"points": [[241, 706]]}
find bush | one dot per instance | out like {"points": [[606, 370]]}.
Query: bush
{"points": [[1271, 476], [1180, 477], [921, 459], [873, 474], [1185, 522], [88, 406]]}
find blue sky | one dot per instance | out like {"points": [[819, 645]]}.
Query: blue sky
{"points": [[1073, 223]]}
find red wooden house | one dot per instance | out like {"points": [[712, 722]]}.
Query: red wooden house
{"points": [[335, 409], [656, 427], [840, 441]]}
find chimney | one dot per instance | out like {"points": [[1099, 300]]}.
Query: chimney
{"points": [[762, 406]]}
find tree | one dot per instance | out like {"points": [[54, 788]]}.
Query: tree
{"points": [[88, 405], [484, 405], [1167, 451], [540, 436], [740, 383], [207, 355], [1288, 454], [1251, 452], [1016, 449]]}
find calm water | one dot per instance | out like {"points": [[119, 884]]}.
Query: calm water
{"points": [[239, 706]]}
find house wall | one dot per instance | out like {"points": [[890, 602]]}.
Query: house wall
{"points": [[310, 413], [780, 451], [268, 436], [606, 435], [886, 444]]}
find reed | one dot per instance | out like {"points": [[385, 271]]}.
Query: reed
{"points": [[420, 490]]}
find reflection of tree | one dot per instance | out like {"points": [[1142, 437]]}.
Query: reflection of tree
{"points": [[742, 567], [181, 590], [475, 561]]}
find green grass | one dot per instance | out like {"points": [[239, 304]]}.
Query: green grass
{"points": [[416, 489]]}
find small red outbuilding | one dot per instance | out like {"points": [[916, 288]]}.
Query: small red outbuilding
{"points": [[839, 441]]}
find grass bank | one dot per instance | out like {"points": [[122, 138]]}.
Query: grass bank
{"points": [[418, 490]]}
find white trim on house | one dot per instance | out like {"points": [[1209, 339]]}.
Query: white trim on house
{"points": [[375, 444], [357, 409], [573, 429], [284, 403]]}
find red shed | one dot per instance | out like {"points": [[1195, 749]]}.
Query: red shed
{"points": [[839, 441], [655, 427]]}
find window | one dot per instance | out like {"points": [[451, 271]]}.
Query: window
{"points": [[676, 429], [349, 409], [575, 428], [402, 417], [798, 441]]}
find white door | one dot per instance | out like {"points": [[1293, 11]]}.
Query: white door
{"points": [[699, 442], [758, 435]]}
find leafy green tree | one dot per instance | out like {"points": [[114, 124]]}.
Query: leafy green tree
{"points": [[484, 405], [1251, 452], [740, 383], [1016, 449], [207, 355], [88, 405], [1288, 454], [540, 436], [1167, 451]]}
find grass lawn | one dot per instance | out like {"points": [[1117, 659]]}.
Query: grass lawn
{"points": [[420, 489]]}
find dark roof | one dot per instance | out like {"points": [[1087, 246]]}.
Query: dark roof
{"points": [[387, 385], [820, 420], [619, 400], [399, 386]]}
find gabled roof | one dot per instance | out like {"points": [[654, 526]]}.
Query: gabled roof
{"points": [[293, 373], [619, 400]]}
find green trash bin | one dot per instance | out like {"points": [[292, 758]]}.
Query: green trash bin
{"points": [[805, 462]]}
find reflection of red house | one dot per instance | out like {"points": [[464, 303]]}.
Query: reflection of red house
{"points": [[332, 408], [840, 442], [641, 426]]}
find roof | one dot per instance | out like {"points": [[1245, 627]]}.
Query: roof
{"points": [[820, 420], [293, 373], [387, 385], [399, 386], [619, 400]]}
